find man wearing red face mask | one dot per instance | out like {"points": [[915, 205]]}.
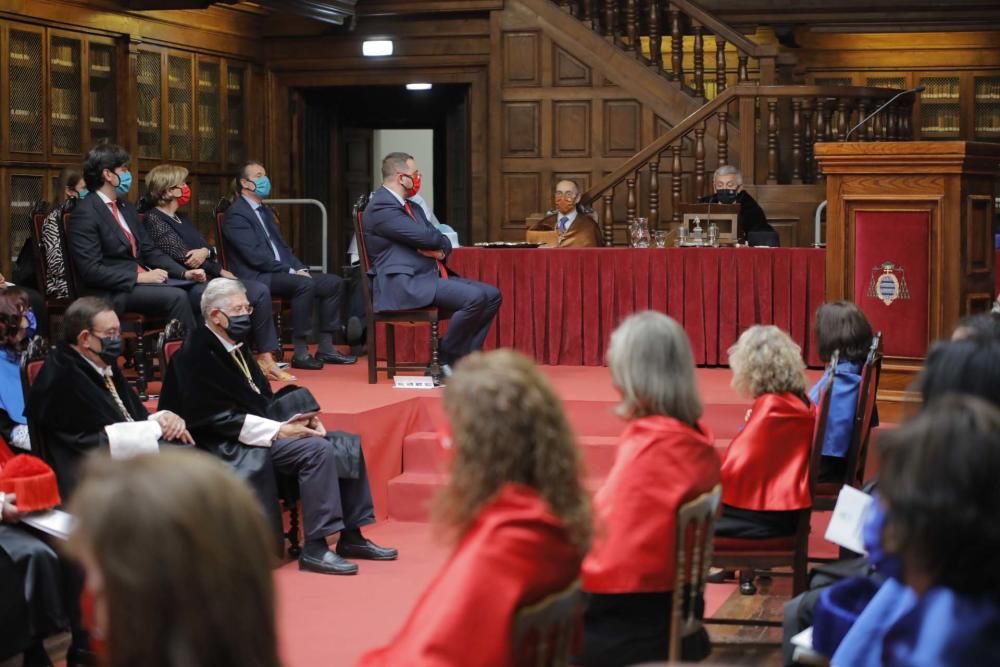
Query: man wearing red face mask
{"points": [[409, 257], [574, 228]]}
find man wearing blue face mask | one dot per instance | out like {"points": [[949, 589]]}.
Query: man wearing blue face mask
{"points": [[728, 183], [255, 250], [113, 256]]}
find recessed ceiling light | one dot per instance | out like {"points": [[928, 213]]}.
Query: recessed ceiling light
{"points": [[376, 47], [418, 86]]}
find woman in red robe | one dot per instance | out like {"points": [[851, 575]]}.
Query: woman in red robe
{"points": [[515, 505], [665, 458]]}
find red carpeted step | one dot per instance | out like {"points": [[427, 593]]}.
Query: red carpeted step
{"points": [[422, 452], [411, 493], [598, 454]]}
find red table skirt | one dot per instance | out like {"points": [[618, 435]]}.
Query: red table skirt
{"points": [[560, 306]]}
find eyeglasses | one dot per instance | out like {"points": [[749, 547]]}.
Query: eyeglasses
{"points": [[239, 310], [109, 333], [565, 195]]}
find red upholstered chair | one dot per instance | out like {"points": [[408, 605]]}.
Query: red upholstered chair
{"points": [[416, 317], [277, 303], [31, 364], [544, 632], [695, 530], [168, 342], [744, 554]]}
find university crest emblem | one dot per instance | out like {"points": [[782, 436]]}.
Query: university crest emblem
{"points": [[888, 283]]}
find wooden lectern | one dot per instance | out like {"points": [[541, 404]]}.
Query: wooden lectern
{"points": [[909, 238]]}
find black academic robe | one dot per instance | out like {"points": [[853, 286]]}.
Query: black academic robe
{"points": [[208, 390], [70, 405], [752, 217]]}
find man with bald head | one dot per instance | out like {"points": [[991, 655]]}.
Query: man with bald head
{"points": [[573, 227]]}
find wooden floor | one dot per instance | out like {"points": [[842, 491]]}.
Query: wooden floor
{"points": [[745, 644]]}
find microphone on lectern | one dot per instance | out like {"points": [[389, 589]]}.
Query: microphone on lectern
{"points": [[892, 99]]}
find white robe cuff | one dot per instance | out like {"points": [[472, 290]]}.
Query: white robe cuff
{"points": [[258, 431]]}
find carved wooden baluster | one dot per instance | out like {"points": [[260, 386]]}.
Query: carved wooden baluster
{"points": [[809, 173], [699, 61], [654, 193], [617, 21], [843, 119], [772, 141], [699, 160], [630, 201], [676, 46], [609, 18], [720, 64], [632, 25], [828, 120], [609, 217], [796, 140], [822, 131], [675, 183], [743, 73], [588, 12], [655, 36], [722, 138], [867, 133], [893, 123], [906, 121]]}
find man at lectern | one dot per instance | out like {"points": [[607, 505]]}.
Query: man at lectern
{"points": [[728, 182]]}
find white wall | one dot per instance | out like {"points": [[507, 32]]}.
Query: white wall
{"points": [[419, 144]]}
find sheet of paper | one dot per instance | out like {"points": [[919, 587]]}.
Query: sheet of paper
{"points": [[804, 638], [413, 382], [52, 522], [848, 519]]}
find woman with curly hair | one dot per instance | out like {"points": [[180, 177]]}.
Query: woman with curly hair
{"points": [[665, 458], [514, 506], [17, 324], [765, 472]]}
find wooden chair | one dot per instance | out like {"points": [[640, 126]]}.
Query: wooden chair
{"points": [[857, 450], [170, 341], [695, 530], [277, 303], [746, 554], [136, 324], [416, 317], [54, 306], [544, 632], [32, 360]]}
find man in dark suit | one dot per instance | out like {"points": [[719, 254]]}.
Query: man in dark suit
{"points": [[255, 250], [408, 256], [728, 183], [111, 251], [80, 390]]}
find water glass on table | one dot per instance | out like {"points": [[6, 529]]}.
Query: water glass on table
{"points": [[660, 238]]}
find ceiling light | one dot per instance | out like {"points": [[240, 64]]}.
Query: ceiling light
{"points": [[377, 47], [418, 86]]}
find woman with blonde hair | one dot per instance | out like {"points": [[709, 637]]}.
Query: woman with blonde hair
{"points": [[665, 458], [177, 560], [513, 504], [765, 472], [166, 192]]}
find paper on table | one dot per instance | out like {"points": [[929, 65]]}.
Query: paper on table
{"points": [[53, 522], [848, 519]]}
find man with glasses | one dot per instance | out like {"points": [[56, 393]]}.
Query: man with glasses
{"points": [[409, 255], [80, 390], [574, 227], [256, 250], [214, 383]]}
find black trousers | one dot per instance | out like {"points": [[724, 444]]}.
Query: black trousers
{"points": [[751, 524], [329, 504], [157, 301], [324, 288], [472, 306]]}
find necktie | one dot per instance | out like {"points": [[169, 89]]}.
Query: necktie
{"points": [[261, 213], [109, 383], [442, 271], [563, 222], [246, 369], [128, 234]]}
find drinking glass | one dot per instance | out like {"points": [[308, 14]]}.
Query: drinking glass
{"points": [[661, 239]]}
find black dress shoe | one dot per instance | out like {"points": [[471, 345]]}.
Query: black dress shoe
{"points": [[307, 363], [355, 331], [365, 550], [330, 563], [336, 358]]}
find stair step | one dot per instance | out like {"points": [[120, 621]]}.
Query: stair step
{"points": [[423, 453]]}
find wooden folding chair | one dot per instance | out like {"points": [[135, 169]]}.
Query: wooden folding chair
{"points": [[695, 530], [544, 632], [32, 360], [416, 317]]}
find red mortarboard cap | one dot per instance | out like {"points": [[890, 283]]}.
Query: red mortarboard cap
{"points": [[32, 480]]}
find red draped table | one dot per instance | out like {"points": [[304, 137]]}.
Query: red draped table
{"points": [[561, 305]]}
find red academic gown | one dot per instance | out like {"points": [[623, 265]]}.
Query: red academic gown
{"points": [[766, 467], [515, 553], [661, 464]]}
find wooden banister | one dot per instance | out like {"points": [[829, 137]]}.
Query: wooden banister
{"points": [[742, 43]]}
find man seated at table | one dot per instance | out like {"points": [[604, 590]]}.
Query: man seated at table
{"points": [[256, 251], [80, 390], [728, 183], [408, 256], [573, 227], [111, 252], [215, 384]]}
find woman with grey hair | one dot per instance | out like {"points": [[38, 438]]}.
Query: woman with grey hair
{"points": [[665, 458]]}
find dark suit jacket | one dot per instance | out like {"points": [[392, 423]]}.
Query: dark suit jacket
{"points": [[70, 405], [248, 251], [752, 217], [403, 278], [102, 253], [176, 239]]}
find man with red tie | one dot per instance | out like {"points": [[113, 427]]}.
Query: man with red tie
{"points": [[408, 257], [111, 253]]}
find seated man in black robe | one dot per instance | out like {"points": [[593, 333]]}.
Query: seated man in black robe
{"points": [[80, 390], [215, 384], [728, 183]]}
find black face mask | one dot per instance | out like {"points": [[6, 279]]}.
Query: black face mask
{"points": [[238, 326], [111, 349], [726, 195]]}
